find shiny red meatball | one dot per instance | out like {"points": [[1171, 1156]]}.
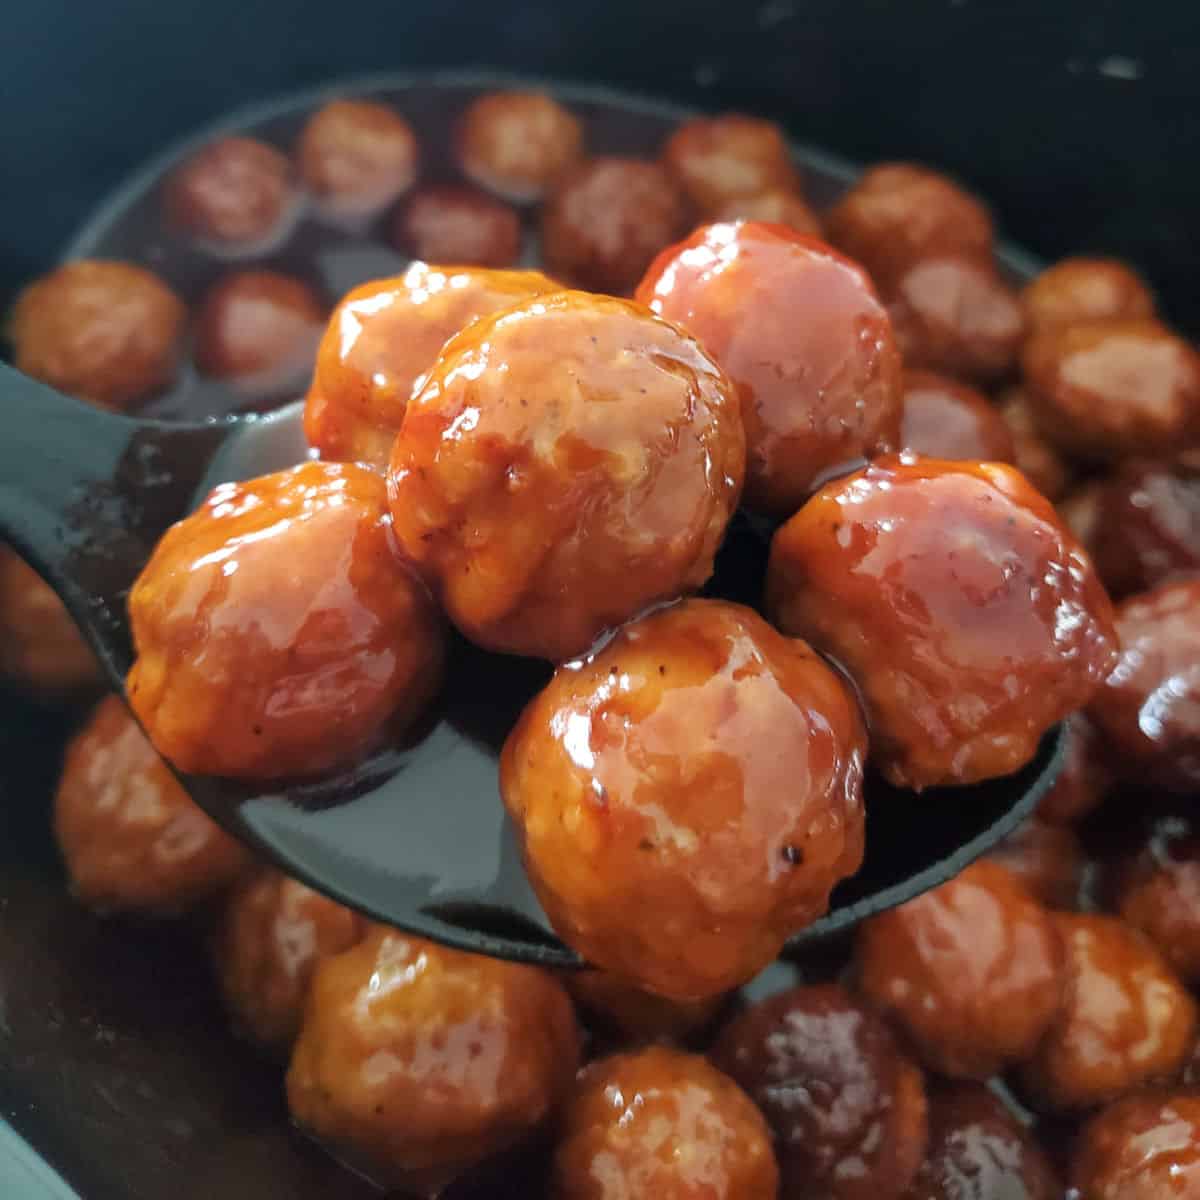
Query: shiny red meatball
{"points": [[607, 219], [259, 330], [382, 338], [1084, 779], [357, 156], [658, 1123], [845, 1105], [108, 332], [973, 971], [720, 160], [234, 192], [1047, 859], [132, 838], [276, 632], [775, 207], [564, 464], [272, 934], [1083, 289], [451, 224], [969, 618], [517, 144], [619, 1007], [1033, 455], [1144, 1147], [979, 1151], [1126, 1020], [602, 775], [1113, 389], [418, 1061], [943, 418], [802, 334], [1149, 709]]}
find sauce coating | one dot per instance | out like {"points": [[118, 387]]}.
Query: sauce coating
{"points": [[943, 418], [618, 1006]]}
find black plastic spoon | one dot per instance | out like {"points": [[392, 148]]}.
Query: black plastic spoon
{"points": [[417, 836]]}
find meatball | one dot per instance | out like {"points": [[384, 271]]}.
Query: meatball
{"points": [[1080, 509], [973, 971], [1144, 1147], [276, 633], [108, 332], [382, 337], [1083, 289], [419, 1061], [967, 615], [802, 334], [452, 224], [978, 1151], [954, 313], [1083, 780], [40, 647], [1149, 709], [1035, 457], [1106, 390], [1157, 890], [564, 464], [627, 1010], [132, 839], [272, 934], [775, 207], [845, 1106], [660, 1123], [234, 192], [357, 156], [607, 219], [517, 144], [601, 776], [1148, 515], [1125, 1021], [943, 418], [259, 330], [720, 160], [1047, 859], [898, 213]]}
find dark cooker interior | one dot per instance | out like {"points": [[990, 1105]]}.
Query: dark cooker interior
{"points": [[1076, 120]]}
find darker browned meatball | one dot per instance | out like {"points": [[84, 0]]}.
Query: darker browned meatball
{"points": [[1039, 461], [1084, 779], [451, 224], [1083, 289], [943, 418], [1047, 859], [845, 1105], [616, 1006]]}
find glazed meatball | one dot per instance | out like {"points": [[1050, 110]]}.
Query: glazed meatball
{"points": [[620, 1007], [357, 156], [967, 615], [607, 219], [452, 224], [258, 329], [775, 207], [40, 647], [943, 418], [973, 971], [1144, 1147], [1106, 390], [954, 313], [802, 334], [419, 1061], [517, 144], [978, 1151], [1157, 890], [272, 934], [1080, 509], [564, 464], [1148, 519], [382, 337], [660, 1123], [720, 160], [1083, 780], [234, 192], [1083, 289], [1035, 457], [1047, 859], [846, 1107], [276, 633], [601, 776], [108, 332], [898, 213], [1125, 1021], [132, 839], [1149, 709]]}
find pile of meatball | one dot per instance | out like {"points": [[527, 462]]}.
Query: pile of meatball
{"points": [[962, 479]]}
